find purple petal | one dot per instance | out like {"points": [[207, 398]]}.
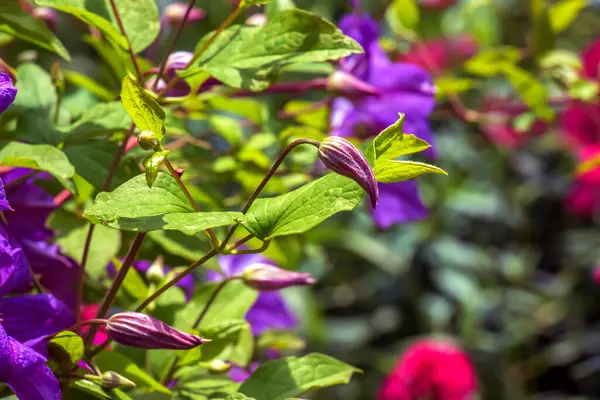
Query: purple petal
{"points": [[29, 317], [398, 203], [236, 263], [365, 31], [4, 206], [25, 371], [270, 313], [7, 91]]}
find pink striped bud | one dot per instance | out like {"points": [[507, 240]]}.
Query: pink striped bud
{"points": [[48, 15], [267, 278], [144, 332], [342, 157], [346, 84], [175, 12]]}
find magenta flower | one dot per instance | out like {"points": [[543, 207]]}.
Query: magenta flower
{"points": [[342, 157], [144, 332], [269, 278], [7, 91], [270, 311], [431, 369], [439, 54], [174, 13], [437, 4], [25, 371], [584, 195]]}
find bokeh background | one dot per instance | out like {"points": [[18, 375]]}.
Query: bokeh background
{"points": [[503, 264]]}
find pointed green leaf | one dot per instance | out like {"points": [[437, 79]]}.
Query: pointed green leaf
{"points": [[36, 91], [141, 21], [102, 119], [145, 112], [293, 376], [41, 157], [403, 15], [15, 21], [392, 142], [564, 12], [194, 223], [303, 208], [151, 164], [136, 207], [88, 83], [68, 344], [390, 171], [89, 388], [252, 57]]}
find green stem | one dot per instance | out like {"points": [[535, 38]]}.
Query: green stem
{"points": [[211, 300], [188, 195], [109, 297], [134, 61], [114, 167], [204, 47], [57, 107], [264, 182]]}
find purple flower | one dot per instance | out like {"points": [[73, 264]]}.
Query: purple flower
{"points": [[187, 283], [342, 157], [268, 278], [4, 205], [25, 371], [269, 312], [7, 91], [26, 232], [398, 203], [144, 332]]}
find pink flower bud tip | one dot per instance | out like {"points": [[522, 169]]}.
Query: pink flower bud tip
{"points": [[144, 332], [347, 84], [257, 20], [437, 4], [48, 15], [342, 157], [175, 12], [268, 278]]}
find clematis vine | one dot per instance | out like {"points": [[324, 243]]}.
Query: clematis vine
{"points": [[400, 87]]}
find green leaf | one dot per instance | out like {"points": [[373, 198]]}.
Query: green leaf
{"points": [[69, 344], [92, 160], [228, 127], [90, 388], [392, 142], [532, 91], [543, 35], [223, 335], [88, 12], [584, 90], [40, 157], [136, 207], [194, 223], [133, 284], [390, 171], [276, 6], [252, 57], [35, 89], [303, 208], [102, 119], [145, 112], [141, 21], [403, 15], [195, 383], [563, 13], [88, 83], [15, 21], [113, 361], [493, 62], [152, 163], [293, 376]]}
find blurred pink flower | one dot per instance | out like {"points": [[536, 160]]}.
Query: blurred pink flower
{"points": [[596, 275], [437, 4], [431, 369], [89, 312], [584, 195], [498, 125], [580, 122], [442, 53]]}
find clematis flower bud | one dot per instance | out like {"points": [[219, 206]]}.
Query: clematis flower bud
{"points": [[147, 140], [346, 84], [175, 12], [342, 157], [268, 278], [144, 332], [257, 20], [48, 15], [112, 380]]}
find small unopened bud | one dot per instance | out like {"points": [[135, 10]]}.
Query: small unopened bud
{"points": [[179, 171], [58, 77], [342, 157], [267, 278], [219, 367], [175, 12], [346, 84], [156, 271], [112, 380], [178, 60], [48, 15], [144, 332], [257, 20], [148, 141]]}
